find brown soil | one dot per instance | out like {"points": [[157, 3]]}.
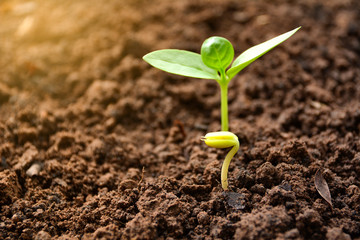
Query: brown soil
{"points": [[96, 144]]}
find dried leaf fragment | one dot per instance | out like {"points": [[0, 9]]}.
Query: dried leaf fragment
{"points": [[322, 187]]}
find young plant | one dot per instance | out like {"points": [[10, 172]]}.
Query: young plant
{"points": [[223, 139], [214, 62], [217, 53]]}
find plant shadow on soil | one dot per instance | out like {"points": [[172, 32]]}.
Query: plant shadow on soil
{"points": [[81, 115]]}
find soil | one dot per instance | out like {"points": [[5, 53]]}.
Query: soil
{"points": [[97, 144]]}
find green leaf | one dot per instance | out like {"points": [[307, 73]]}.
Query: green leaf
{"points": [[180, 62], [217, 53], [255, 52]]}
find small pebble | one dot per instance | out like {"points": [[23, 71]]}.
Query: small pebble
{"points": [[34, 170]]}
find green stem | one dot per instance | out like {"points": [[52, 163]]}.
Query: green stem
{"points": [[225, 166], [224, 101]]}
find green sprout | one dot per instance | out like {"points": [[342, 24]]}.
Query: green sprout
{"points": [[215, 62], [216, 56], [223, 139]]}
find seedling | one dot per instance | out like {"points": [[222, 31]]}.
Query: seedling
{"points": [[214, 62], [223, 139]]}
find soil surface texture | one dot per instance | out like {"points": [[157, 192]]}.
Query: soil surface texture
{"points": [[97, 144]]}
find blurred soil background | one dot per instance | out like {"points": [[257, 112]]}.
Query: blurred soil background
{"points": [[96, 144]]}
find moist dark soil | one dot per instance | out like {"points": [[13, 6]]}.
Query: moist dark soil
{"points": [[97, 144]]}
